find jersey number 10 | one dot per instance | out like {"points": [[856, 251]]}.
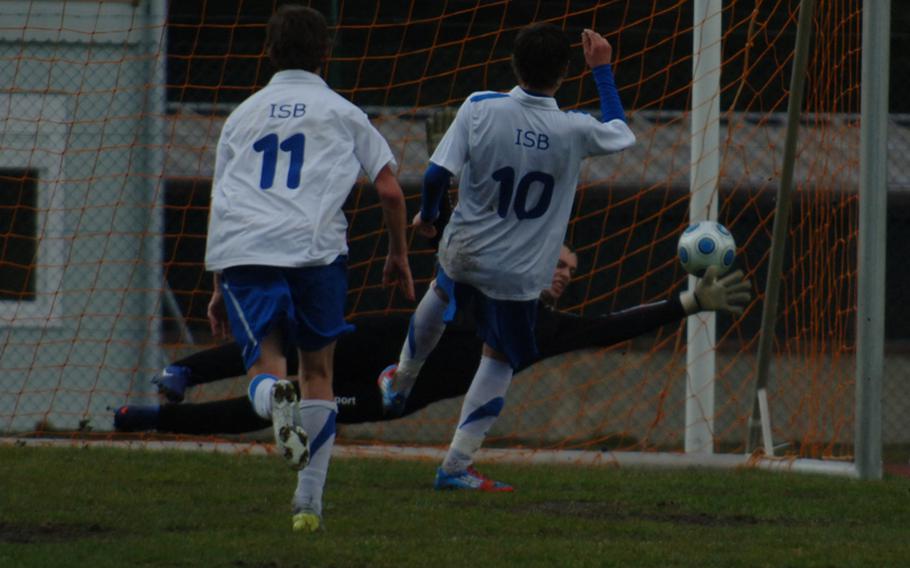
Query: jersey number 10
{"points": [[269, 147], [506, 178]]}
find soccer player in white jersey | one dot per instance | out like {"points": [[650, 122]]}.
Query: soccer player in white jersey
{"points": [[518, 157], [286, 161]]}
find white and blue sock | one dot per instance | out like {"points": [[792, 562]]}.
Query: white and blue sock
{"points": [[424, 331], [260, 394], [481, 407], [317, 417]]}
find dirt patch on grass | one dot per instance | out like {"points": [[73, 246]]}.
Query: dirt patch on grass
{"points": [[49, 532], [613, 511], [581, 509]]}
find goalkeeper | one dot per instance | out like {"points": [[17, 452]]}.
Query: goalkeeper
{"points": [[447, 372]]}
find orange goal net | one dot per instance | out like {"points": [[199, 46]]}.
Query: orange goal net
{"points": [[110, 114]]}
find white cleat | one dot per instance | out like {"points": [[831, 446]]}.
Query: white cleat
{"points": [[291, 440]]}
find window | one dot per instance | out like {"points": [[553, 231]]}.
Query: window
{"points": [[32, 249], [18, 233]]}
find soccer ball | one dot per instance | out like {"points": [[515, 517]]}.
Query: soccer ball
{"points": [[704, 244]]}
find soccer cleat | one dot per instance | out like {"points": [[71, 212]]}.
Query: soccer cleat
{"points": [[172, 382], [306, 521], [469, 479], [136, 418], [392, 402], [292, 440]]}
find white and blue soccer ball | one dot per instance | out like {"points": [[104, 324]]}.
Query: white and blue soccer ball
{"points": [[704, 244]]}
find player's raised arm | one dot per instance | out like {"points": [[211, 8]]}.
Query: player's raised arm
{"points": [[613, 135], [598, 50], [397, 271]]}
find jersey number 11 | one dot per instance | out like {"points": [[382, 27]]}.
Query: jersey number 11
{"points": [[269, 147]]}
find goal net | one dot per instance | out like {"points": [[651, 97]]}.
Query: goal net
{"points": [[110, 113]]}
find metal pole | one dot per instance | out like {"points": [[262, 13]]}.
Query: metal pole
{"points": [[155, 42], [704, 159], [781, 218], [873, 197]]}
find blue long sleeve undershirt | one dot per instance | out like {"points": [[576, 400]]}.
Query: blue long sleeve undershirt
{"points": [[436, 181], [610, 105]]}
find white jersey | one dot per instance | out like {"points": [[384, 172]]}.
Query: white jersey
{"points": [[519, 157], [286, 161]]}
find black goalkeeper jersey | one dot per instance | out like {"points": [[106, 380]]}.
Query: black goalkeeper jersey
{"points": [[361, 355]]}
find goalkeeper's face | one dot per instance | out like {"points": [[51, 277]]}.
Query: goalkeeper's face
{"points": [[565, 270]]}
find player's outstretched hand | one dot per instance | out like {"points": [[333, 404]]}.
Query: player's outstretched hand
{"points": [[437, 125], [729, 293], [598, 50], [397, 272], [424, 228], [217, 314]]}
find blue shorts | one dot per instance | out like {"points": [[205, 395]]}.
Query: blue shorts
{"points": [[505, 325], [308, 304]]}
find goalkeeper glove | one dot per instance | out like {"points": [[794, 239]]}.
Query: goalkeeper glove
{"points": [[711, 293]]}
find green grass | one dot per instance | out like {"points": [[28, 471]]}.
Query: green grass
{"points": [[104, 507]]}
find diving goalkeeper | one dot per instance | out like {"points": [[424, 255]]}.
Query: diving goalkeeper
{"points": [[362, 354]]}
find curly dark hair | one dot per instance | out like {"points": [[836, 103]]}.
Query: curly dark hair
{"points": [[297, 37], [540, 57]]}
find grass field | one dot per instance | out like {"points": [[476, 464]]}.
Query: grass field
{"points": [[97, 507]]}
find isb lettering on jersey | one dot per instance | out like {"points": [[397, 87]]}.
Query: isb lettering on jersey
{"points": [[531, 139], [287, 110]]}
